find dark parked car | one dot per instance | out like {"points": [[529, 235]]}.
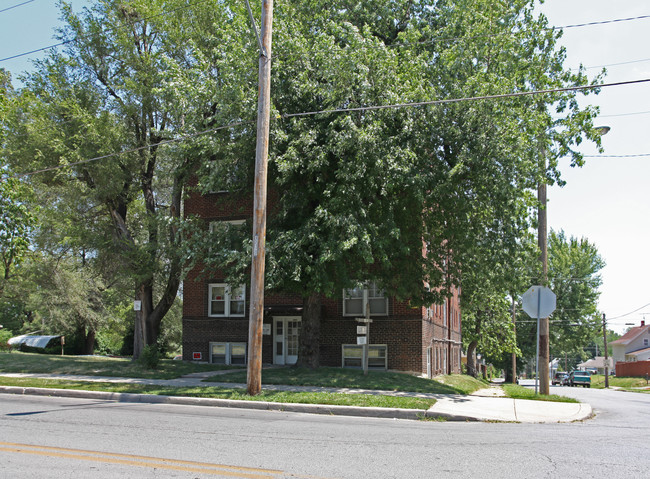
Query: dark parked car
{"points": [[558, 378], [582, 378]]}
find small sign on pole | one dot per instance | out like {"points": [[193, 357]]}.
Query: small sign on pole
{"points": [[362, 330], [137, 305], [361, 340]]}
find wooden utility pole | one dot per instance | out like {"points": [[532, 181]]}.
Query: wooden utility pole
{"points": [[514, 328], [606, 358], [254, 376], [543, 358]]}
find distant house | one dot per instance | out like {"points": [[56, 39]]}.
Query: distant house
{"points": [[597, 363], [632, 346], [426, 340]]}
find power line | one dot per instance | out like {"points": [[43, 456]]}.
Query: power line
{"points": [[604, 22], [111, 29], [344, 110], [458, 100], [625, 114], [15, 6], [281, 54], [402, 44], [638, 155], [616, 64], [627, 314], [133, 150], [36, 51]]}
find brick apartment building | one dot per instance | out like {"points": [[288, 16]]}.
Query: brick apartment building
{"points": [[401, 337]]}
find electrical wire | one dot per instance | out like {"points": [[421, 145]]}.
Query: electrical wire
{"points": [[133, 150], [16, 6], [625, 114], [458, 100], [627, 314], [107, 30], [604, 22], [343, 110], [616, 64], [401, 44], [637, 155]]}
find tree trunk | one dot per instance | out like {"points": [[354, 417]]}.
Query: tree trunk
{"points": [[309, 351], [89, 342], [142, 335], [471, 354], [148, 320]]}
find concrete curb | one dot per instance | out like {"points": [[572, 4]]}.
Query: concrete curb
{"points": [[447, 408], [330, 410]]}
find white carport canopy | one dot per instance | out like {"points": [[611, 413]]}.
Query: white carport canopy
{"points": [[31, 340]]}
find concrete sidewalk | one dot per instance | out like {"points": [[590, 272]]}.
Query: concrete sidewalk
{"points": [[481, 406], [500, 409]]}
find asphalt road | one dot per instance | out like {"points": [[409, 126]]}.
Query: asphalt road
{"points": [[71, 438]]}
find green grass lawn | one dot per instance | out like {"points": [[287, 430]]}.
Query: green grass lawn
{"points": [[598, 381], [18, 362], [354, 378], [361, 400], [515, 391]]}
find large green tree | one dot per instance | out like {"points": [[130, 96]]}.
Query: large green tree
{"points": [[133, 75], [358, 192], [16, 219], [574, 266]]}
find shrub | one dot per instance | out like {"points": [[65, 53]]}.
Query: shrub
{"points": [[5, 335], [150, 357]]}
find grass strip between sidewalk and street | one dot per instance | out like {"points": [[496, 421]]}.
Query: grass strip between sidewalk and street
{"points": [[598, 382], [354, 378], [360, 400], [514, 391]]}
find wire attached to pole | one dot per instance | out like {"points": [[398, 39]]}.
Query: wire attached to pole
{"points": [[254, 27]]}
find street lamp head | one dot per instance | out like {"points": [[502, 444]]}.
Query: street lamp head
{"points": [[602, 130]]}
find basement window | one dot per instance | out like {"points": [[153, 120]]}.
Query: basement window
{"points": [[228, 353]]}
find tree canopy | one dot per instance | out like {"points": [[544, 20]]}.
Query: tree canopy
{"points": [[574, 266], [360, 189], [417, 198]]}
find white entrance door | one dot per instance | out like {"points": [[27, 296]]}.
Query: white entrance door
{"points": [[286, 334]]}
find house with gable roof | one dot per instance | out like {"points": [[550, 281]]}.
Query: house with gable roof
{"points": [[632, 346]]}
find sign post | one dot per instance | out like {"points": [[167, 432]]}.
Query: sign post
{"points": [[539, 302], [365, 339]]}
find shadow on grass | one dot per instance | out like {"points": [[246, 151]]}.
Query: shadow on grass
{"points": [[346, 378]]}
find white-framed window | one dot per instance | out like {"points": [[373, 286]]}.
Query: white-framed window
{"points": [[352, 356], [224, 300], [356, 299], [213, 224], [228, 353], [646, 341]]}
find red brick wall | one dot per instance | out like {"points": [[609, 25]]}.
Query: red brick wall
{"points": [[443, 335], [401, 335], [401, 331], [406, 330], [199, 333], [635, 369]]}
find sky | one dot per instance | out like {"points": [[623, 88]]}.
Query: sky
{"points": [[606, 201]]}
